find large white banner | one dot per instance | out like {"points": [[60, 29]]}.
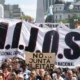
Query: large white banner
{"points": [[68, 54], [17, 36]]}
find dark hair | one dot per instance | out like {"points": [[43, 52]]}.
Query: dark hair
{"points": [[4, 65], [79, 69], [38, 51], [48, 75], [23, 66]]}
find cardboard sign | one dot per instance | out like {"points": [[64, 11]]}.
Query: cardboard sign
{"points": [[40, 60]]}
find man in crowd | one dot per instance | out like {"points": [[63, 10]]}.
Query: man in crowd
{"points": [[70, 76], [41, 74], [58, 75]]}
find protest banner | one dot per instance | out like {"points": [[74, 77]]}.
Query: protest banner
{"points": [[20, 36], [40, 60]]}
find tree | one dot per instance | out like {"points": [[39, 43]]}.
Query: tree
{"points": [[72, 20], [27, 18]]}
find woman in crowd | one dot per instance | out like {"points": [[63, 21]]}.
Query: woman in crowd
{"points": [[47, 77], [6, 73], [10, 68]]}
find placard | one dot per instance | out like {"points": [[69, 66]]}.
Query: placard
{"points": [[40, 60]]}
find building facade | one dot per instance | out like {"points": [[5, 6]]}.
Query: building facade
{"points": [[12, 11], [62, 10], [2, 2], [76, 0], [47, 4]]}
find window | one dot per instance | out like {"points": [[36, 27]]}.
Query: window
{"points": [[56, 17], [60, 8], [60, 17], [68, 16], [56, 9], [76, 8]]}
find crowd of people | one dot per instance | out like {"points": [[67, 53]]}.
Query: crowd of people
{"points": [[16, 69]]}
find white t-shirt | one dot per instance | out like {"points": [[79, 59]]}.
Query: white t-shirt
{"points": [[60, 78]]}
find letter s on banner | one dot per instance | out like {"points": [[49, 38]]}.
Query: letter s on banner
{"points": [[69, 41]]}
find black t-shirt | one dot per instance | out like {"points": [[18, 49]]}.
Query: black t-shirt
{"points": [[38, 77]]}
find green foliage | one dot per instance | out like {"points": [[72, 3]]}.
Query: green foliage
{"points": [[72, 21], [26, 18]]}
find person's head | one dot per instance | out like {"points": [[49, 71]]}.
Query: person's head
{"points": [[20, 77], [8, 60], [65, 73], [78, 70], [41, 72], [33, 74], [16, 65], [47, 77], [10, 68], [58, 72], [4, 67], [70, 74], [74, 73], [19, 71], [50, 71], [24, 67], [15, 60]]}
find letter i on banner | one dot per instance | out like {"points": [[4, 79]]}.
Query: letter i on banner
{"points": [[16, 35], [3, 33]]}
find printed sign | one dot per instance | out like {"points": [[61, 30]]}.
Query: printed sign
{"points": [[40, 60]]}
